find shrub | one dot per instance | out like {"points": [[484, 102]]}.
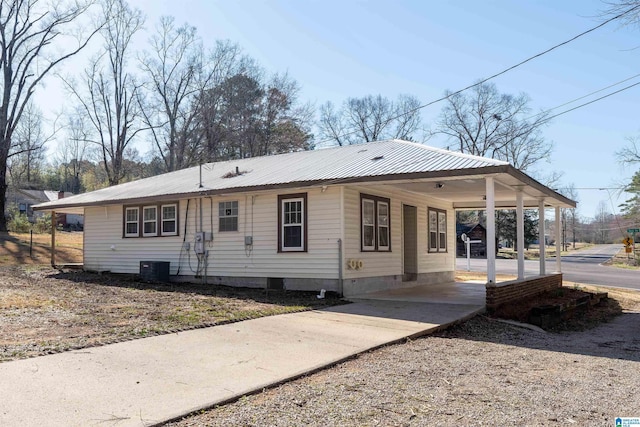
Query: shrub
{"points": [[43, 224], [18, 222]]}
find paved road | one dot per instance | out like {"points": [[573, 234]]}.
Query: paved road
{"points": [[582, 266]]}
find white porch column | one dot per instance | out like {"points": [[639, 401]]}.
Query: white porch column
{"points": [[520, 232], [491, 230], [541, 240], [559, 241]]}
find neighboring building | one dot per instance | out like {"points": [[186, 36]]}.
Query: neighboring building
{"points": [[25, 199], [473, 232], [347, 219]]}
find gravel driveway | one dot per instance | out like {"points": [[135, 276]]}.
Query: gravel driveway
{"points": [[481, 373]]}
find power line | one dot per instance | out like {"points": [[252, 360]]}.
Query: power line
{"points": [[590, 102], [506, 70], [594, 92]]}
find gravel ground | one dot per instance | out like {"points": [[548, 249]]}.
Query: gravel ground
{"points": [[481, 373]]}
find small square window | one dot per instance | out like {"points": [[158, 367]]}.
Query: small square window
{"points": [[228, 216]]}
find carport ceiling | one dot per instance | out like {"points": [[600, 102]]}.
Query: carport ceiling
{"points": [[469, 192]]}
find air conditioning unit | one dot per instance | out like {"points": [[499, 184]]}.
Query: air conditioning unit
{"points": [[154, 271]]}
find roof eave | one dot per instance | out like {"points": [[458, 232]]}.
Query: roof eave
{"points": [[452, 173]]}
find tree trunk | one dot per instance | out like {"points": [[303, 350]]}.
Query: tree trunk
{"points": [[3, 194]]}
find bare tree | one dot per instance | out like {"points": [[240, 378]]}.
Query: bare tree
{"points": [[108, 92], [569, 215], [629, 11], [487, 123], [32, 36], [27, 155], [174, 70], [602, 221], [73, 152], [630, 154], [371, 118]]}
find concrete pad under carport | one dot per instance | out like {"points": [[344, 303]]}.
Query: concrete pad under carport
{"points": [[151, 380], [471, 293]]}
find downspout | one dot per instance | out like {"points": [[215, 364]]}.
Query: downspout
{"points": [[340, 278]]}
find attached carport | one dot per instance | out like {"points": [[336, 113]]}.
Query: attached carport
{"points": [[499, 187]]}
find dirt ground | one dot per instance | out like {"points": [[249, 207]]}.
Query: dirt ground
{"points": [[44, 310], [25, 248]]}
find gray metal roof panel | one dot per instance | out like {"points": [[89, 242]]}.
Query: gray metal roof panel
{"points": [[374, 159]]}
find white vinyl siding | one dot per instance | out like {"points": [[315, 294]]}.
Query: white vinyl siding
{"points": [[228, 254], [391, 263]]}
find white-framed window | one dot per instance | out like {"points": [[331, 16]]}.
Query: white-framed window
{"points": [[228, 216], [169, 220], [292, 226], [150, 221], [131, 222], [383, 226], [437, 230], [368, 225], [375, 214]]}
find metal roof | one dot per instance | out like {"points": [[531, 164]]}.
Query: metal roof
{"points": [[374, 161]]}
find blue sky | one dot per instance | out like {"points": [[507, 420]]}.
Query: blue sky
{"points": [[344, 48]]}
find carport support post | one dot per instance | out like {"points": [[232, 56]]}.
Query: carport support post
{"points": [[491, 230], [53, 238], [520, 232], [541, 241], [558, 241]]}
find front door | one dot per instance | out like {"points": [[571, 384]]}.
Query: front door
{"points": [[410, 239]]}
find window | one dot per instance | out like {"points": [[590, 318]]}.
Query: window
{"points": [[150, 221], [131, 222], [169, 220], [375, 213], [437, 230], [228, 216], [292, 226]]}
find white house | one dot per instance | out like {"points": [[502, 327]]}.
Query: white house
{"points": [[347, 219]]}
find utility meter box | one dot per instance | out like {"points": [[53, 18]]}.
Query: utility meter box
{"points": [[201, 238]]}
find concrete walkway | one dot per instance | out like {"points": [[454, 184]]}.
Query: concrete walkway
{"points": [[147, 381]]}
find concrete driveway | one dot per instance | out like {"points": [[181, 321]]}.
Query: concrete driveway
{"points": [[151, 380]]}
